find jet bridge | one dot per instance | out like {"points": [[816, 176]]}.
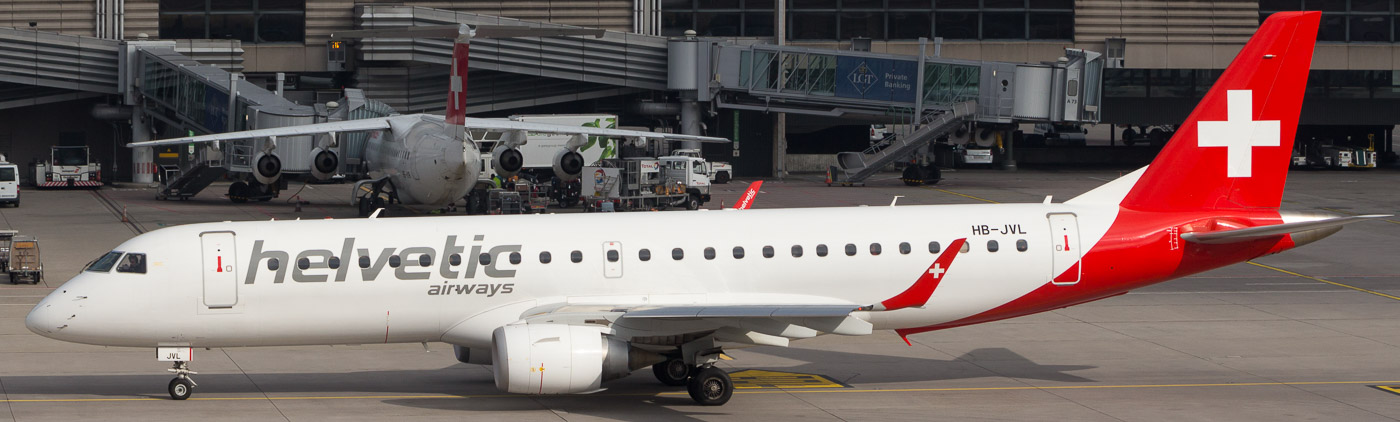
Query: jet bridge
{"points": [[932, 96]]}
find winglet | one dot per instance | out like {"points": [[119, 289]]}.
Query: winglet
{"points": [[746, 201], [919, 293]]}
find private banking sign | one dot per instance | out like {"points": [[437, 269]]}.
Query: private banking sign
{"points": [[876, 79]]}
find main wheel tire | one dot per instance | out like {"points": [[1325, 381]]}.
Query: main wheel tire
{"points": [[913, 176], [238, 192], [363, 204], [673, 372], [932, 175], [710, 387], [693, 202], [181, 388]]}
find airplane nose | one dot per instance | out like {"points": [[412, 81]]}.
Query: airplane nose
{"points": [[44, 319]]}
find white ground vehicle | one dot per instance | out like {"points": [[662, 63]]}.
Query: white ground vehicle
{"points": [[646, 184], [68, 167], [9, 183], [720, 172]]}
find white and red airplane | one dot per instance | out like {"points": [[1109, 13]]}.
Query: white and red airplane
{"points": [[562, 303]]}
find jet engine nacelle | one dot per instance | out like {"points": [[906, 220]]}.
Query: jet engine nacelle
{"points": [[561, 359], [507, 161], [568, 164], [324, 163], [266, 168]]}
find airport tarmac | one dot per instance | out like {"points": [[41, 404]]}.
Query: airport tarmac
{"points": [[1309, 334]]}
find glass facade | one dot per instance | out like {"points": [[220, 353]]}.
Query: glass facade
{"points": [[1193, 83], [1344, 20], [251, 21], [875, 19]]}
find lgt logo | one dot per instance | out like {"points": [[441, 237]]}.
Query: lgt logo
{"points": [[862, 78]]}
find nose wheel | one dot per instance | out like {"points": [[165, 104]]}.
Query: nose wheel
{"points": [[182, 386]]}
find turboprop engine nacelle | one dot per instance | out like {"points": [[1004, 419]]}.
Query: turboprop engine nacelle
{"points": [[267, 168], [507, 161], [561, 359], [568, 164], [324, 163]]}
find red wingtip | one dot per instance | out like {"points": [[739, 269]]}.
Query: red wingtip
{"points": [[906, 338], [746, 201]]}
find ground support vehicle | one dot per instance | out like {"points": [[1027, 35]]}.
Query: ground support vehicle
{"points": [[9, 183], [23, 260], [642, 184], [720, 172], [68, 167]]}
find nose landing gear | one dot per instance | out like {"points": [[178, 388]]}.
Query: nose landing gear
{"points": [[182, 386]]}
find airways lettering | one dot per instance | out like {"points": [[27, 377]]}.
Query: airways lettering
{"points": [[371, 263]]}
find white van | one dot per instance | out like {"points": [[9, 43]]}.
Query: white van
{"points": [[9, 184]]}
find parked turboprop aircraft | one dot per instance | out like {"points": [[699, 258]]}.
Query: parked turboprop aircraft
{"points": [[430, 160], [580, 299]]}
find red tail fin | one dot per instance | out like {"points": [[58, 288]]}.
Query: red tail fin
{"points": [[1233, 150], [457, 97], [746, 201]]}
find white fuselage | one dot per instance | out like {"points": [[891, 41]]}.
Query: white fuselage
{"points": [[463, 303], [424, 161]]}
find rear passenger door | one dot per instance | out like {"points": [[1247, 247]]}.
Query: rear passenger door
{"points": [[220, 269]]}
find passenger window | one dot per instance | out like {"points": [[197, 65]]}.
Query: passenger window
{"points": [[135, 263], [850, 249], [455, 259], [738, 252], [484, 259], [992, 246], [425, 260], [874, 248], [272, 264], [613, 256], [394, 261], [796, 251], [965, 247], [821, 250], [1021, 245], [304, 263], [105, 262], [334, 262], [644, 254], [677, 254], [545, 258], [515, 258], [767, 251], [576, 256], [933, 247], [904, 248], [709, 253], [364, 262]]}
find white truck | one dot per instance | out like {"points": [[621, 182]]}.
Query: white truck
{"points": [[9, 182], [640, 184], [68, 167], [720, 172]]}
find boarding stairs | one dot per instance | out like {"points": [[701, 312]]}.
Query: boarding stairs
{"points": [[191, 181], [854, 167]]}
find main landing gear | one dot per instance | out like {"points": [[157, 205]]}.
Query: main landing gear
{"points": [[707, 385], [182, 386]]}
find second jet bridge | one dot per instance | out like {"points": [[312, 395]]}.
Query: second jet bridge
{"points": [[932, 95]]}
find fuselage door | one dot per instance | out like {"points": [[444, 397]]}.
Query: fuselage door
{"points": [[612, 259], [1065, 250], [220, 267]]}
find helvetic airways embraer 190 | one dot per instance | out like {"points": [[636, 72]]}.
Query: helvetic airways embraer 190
{"points": [[560, 304]]}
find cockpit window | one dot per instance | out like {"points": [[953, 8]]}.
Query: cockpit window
{"points": [[105, 263], [134, 263]]}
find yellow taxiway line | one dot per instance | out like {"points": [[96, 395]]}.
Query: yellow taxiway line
{"points": [[1324, 281], [961, 194], [764, 391]]}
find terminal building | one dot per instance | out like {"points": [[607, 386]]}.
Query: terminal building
{"points": [[785, 79]]}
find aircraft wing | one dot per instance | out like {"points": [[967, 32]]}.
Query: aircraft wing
{"points": [[503, 125], [753, 324], [1253, 233], [312, 129]]}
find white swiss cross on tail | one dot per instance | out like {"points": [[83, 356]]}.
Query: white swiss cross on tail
{"points": [[1239, 133]]}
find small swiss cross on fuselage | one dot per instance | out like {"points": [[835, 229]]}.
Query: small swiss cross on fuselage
{"points": [[1239, 133]]}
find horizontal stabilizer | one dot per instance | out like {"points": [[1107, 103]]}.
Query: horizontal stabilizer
{"points": [[454, 31], [1254, 233]]}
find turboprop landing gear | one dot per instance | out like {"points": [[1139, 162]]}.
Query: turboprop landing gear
{"points": [[710, 386], [182, 386], [673, 372]]}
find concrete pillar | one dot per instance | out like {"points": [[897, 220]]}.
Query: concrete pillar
{"points": [[779, 145], [1009, 162], [690, 122]]}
